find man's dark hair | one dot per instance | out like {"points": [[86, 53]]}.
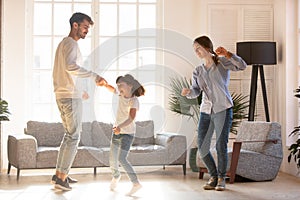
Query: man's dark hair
{"points": [[79, 17]]}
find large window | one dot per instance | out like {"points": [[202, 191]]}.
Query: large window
{"points": [[122, 40]]}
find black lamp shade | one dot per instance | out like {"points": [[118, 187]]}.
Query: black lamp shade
{"points": [[257, 53]]}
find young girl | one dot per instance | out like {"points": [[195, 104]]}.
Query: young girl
{"points": [[128, 90]]}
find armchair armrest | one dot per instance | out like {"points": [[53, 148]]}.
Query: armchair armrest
{"points": [[22, 150], [236, 149], [249, 141], [176, 146]]}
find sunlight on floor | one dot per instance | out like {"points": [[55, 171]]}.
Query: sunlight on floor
{"points": [[158, 184]]}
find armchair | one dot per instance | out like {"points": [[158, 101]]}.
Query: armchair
{"points": [[256, 153]]}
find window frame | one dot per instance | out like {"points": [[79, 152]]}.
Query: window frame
{"points": [[94, 37]]}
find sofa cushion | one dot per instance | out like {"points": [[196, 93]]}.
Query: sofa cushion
{"points": [[101, 134], [253, 131], [86, 134], [46, 134], [144, 133]]}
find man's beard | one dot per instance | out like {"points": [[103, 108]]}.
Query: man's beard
{"points": [[82, 35]]}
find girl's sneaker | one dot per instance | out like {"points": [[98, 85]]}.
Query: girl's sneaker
{"points": [[134, 189], [114, 182]]}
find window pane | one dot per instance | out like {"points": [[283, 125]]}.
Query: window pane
{"points": [[128, 62], [83, 1], [147, 58], [42, 19], [85, 49], [56, 41], [127, 53], [42, 0], [127, 44], [62, 14], [127, 19], [85, 46], [42, 87], [147, 1], [127, 1], [150, 92], [45, 112], [107, 54], [147, 16], [108, 19], [110, 57], [108, 0], [42, 53], [147, 54], [84, 8], [105, 113]]}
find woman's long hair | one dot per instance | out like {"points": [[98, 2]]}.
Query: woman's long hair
{"points": [[206, 43], [137, 89]]}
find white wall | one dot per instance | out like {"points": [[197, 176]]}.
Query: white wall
{"points": [[13, 68], [181, 17], [285, 34]]}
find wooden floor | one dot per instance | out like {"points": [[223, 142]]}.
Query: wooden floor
{"points": [[158, 184]]}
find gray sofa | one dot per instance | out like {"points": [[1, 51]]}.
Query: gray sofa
{"points": [[38, 147]]}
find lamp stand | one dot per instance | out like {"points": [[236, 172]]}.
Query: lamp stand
{"points": [[253, 91]]}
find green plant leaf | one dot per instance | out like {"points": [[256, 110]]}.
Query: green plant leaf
{"points": [[295, 147], [4, 112]]}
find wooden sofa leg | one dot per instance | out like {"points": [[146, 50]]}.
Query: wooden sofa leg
{"points": [[8, 169], [95, 171], [202, 170], [18, 173], [184, 168], [234, 160], [201, 174]]}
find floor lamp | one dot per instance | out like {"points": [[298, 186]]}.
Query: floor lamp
{"points": [[257, 54]]}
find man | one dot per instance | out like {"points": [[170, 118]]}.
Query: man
{"points": [[68, 96]]}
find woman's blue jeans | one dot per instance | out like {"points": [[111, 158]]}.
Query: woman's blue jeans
{"points": [[220, 123], [119, 148]]}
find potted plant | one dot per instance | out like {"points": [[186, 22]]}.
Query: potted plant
{"points": [[190, 108], [295, 147], [4, 112]]}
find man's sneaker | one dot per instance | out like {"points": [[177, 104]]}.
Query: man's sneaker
{"points": [[62, 185], [134, 189], [114, 182], [70, 180], [53, 180], [221, 184], [211, 184]]}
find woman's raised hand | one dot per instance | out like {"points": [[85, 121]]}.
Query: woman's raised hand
{"points": [[185, 91]]}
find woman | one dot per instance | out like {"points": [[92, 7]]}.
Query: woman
{"points": [[212, 79]]}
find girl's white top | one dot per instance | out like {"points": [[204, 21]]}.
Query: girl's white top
{"points": [[124, 106]]}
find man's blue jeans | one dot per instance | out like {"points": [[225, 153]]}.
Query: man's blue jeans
{"points": [[71, 114], [220, 123], [120, 146]]}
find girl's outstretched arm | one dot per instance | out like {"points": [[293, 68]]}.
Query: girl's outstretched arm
{"points": [[110, 88]]}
